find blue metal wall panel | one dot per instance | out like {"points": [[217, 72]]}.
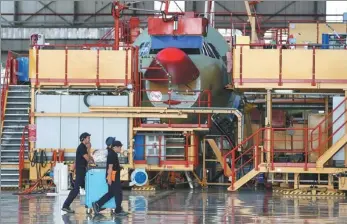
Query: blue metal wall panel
{"points": [[161, 42], [139, 147], [325, 41], [23, 69]]}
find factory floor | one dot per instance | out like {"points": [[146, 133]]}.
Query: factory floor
{"points": [[181, 206]]}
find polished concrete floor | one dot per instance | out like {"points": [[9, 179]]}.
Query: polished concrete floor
{"points": [[181, 206]]}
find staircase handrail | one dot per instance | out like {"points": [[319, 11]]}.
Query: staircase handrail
{"points": [[234, 150], [342, 103], [21, 155], [5, 85]]}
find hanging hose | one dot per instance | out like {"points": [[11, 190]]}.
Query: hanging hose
{"points": [[43, 159], [119, 90]]}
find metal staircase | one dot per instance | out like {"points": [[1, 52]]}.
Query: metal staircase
{"points": [[257, 151], [16, 117], [333, 123], [225, 126]]}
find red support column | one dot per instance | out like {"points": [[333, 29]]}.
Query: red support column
{"points": [[37, 67], [186, 149], [306, 148], [280, 83], [241, 66], [272, 148], [97, 67], [132, 66], [317, 32], [126, 66], [256, 148], [233, 177], [199, 104], [313, 83], [167, 3], [66, 66], [209, 103]]}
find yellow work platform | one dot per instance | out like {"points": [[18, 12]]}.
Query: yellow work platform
{"points": [[80, 67], [289, 68]]}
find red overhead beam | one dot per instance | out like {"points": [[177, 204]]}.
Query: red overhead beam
{"points": [[148, 14]]}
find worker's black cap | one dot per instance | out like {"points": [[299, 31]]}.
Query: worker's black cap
{"points": [[117, 144], [110, 140], [84, 135]]}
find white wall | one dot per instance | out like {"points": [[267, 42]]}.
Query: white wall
{"points": [[63, 133], [336, 101]]}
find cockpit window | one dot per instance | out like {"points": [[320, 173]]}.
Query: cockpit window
{"points": [[204, 51], [209, 51], [144, 48], [214, 50]]}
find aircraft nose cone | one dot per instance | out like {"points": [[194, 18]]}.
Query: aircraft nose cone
{"points": [[177, 63]]}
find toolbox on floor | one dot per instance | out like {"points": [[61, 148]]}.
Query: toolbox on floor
{"points": [[96, 187]]}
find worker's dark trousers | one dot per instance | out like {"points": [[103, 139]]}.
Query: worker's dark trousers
{"points": [[79, 182], [115, 190]]}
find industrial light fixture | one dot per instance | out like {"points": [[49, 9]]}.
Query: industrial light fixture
{"points": [[129, 86], [283, 91]]}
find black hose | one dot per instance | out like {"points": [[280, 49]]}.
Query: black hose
{"points": [[33, 159], [43, 158], [117, 91]]}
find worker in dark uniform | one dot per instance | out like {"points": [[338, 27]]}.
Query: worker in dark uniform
{"points": [[82, 160], [112, 178]]}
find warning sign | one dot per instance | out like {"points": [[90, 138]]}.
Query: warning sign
{"points": [[156, 96], [32, 132]]}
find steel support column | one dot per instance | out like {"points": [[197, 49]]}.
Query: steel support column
{"points": [[315, 8], [16, 11], [268, 123], [75, 11]]}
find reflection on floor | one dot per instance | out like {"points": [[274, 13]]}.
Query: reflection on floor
{"points": [[181, 206]]}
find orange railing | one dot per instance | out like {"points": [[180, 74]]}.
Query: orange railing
{"points": [[5, 82], [169, 160], [22, 149], [324, 130], [246, 150], [293, 145], [268, 145]]}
